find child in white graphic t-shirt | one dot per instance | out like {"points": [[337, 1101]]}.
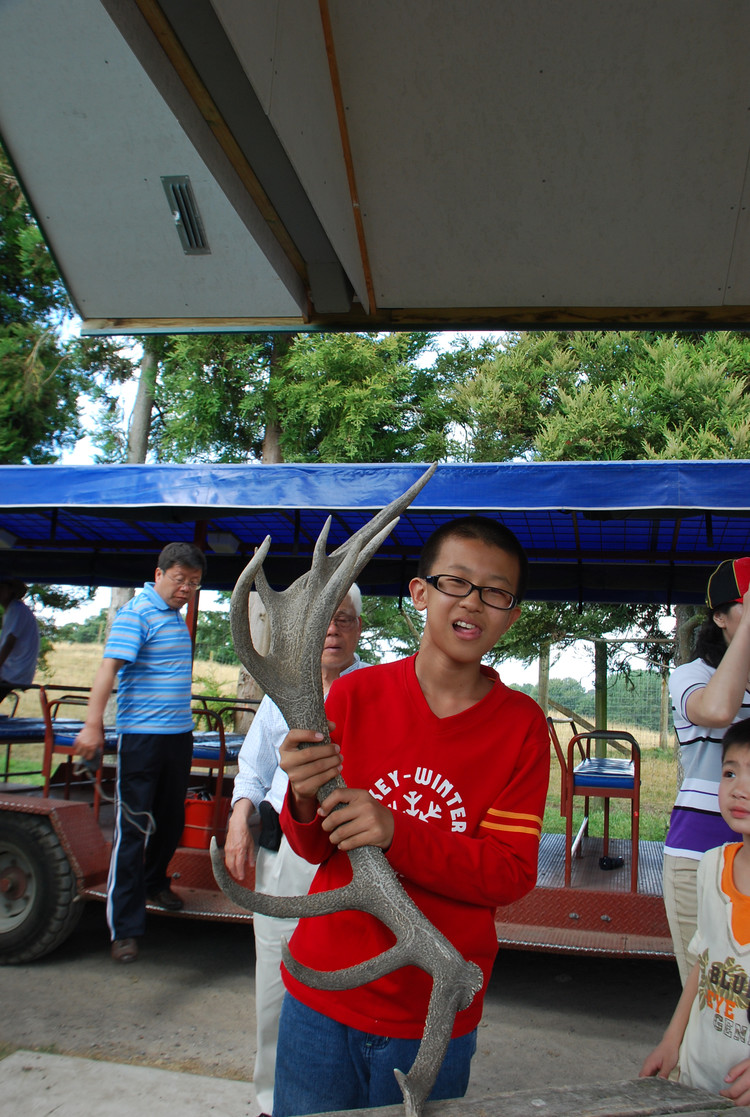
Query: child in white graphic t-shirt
{"points": [[707, 1042]]}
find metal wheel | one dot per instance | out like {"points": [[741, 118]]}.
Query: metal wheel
{"points": [[38, 894]]}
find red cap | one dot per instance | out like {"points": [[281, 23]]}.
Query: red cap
{"points": [[729, 582]]}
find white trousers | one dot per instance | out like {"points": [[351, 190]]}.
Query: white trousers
{"points": [[279, 874]]}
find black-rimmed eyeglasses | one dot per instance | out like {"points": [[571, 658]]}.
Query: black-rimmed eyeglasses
{"points": [[462, 587]]}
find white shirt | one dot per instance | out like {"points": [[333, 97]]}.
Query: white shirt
{"points": [[260, 775]]}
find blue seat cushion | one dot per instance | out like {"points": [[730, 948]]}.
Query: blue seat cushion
{"points": [[67, 731], [206, 745], [28, 730], [604, 771]]}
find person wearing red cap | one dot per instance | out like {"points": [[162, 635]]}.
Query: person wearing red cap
{"points": [[708, 694]]}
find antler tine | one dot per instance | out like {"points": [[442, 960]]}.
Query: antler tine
{"points": [[299, 617], [391, 512], [332, 574], [238, 614], [284, 907]]}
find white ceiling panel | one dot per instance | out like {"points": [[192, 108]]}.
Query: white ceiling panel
{"points": [[288, 68], [562, 154], [105, 136], [494, 164]]}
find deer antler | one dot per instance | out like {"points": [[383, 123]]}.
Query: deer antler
{"points": [[290, 672]]}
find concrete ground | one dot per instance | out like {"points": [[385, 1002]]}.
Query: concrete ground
{"points": [[39, 1085], [176, 1028]]}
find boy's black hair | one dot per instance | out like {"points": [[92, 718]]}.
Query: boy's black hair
{"points": [[737, 734], [487, 531], [182, 554]]}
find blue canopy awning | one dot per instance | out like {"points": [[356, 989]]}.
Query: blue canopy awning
{"points": [[594, 531]]}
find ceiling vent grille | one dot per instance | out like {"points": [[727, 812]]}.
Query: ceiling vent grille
{"points": [[185, 214]]}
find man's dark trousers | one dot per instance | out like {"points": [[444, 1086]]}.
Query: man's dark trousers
{"points": [[153, 771]]}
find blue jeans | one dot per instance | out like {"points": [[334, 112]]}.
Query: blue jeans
{"points": [[324, 1066]]}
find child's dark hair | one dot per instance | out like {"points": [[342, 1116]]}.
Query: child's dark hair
{"points": [[737, 734], [710, 643], [482, 528]]}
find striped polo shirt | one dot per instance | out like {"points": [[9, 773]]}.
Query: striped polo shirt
{"points": [[154, 686], [696, 823]]}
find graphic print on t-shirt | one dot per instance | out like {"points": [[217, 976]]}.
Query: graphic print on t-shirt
{"points": [[423, 793], [723, 989]]}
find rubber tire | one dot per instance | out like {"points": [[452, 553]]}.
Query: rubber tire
{"points": [[45, 915]]}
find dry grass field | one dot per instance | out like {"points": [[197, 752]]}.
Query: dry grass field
{"points": [[76, 665], [659, 770]]}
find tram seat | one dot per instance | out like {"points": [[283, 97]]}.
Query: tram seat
{"points": [[213, 747], [590, 776], [60, 737]]}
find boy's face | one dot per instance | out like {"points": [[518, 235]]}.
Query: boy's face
{"points": [[466, 628], [734, 789]]}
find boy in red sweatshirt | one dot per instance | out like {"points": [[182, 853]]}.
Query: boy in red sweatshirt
{"points": [[447, 771]]}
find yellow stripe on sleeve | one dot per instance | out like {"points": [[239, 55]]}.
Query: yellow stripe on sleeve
{"points": [[535, 830]]}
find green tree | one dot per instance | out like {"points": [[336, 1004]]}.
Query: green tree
{"points": [[566, 692], [89, 631], [360, 397], [212, 638], [601, 396], [597, 396], [212, 398], [676, 399], [39, 382], [42, 377], [310, 398]]}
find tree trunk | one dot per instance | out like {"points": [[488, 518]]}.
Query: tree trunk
{"points": [[664, 705], [543, 687], [600, 697], [140, 419], [687, 619], [247, 688], [138, 432], [271, 444], [271, 453]]}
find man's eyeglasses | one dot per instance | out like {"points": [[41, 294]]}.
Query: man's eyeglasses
{"points": [[180, 582], [344, 621], [462, 587]]}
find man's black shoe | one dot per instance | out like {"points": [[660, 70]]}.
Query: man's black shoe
{"points": [[611, 862], [124, 950], [166, 899]]}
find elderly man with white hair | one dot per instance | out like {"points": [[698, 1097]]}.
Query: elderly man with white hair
{"points": [[260, 785]]}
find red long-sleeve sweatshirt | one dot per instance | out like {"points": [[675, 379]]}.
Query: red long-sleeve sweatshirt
{"points": [[468, 795]]}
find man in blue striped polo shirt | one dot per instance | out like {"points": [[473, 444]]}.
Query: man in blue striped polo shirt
{"points": [[149, 648]]}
